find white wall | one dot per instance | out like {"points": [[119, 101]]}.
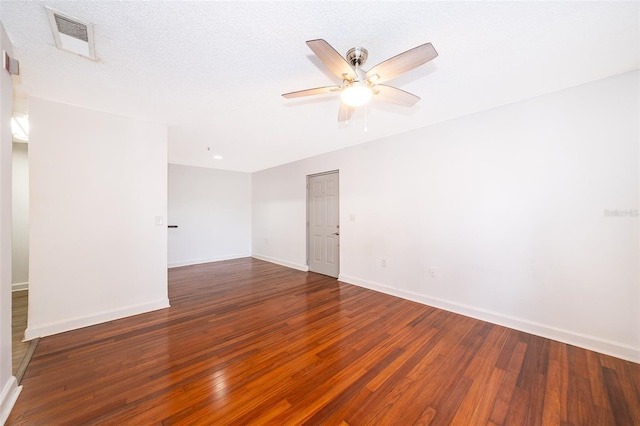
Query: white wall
{"points": [[212, 209], [20, 208], [9, 388], [508, 206], [279, 210], [97, 184]]}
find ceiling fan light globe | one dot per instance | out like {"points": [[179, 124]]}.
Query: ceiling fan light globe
{"points": [[355, 94]]}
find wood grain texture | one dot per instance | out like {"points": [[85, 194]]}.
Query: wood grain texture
{"points": [[19, 302], [248, 342], [21, 351]]}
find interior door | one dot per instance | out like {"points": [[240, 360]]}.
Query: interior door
{"points": [[323, 227]]}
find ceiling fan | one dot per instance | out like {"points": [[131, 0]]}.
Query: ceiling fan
{"points": [[359, 86]]}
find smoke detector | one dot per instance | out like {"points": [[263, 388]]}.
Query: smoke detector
{"points": [[72, 35]]}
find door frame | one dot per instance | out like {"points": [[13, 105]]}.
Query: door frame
{"points": [[308, 203]]}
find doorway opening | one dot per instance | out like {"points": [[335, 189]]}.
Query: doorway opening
{"points": [[21, 350]]}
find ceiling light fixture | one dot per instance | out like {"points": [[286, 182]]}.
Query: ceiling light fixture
{"points": [[20, 128], [356, 94]]}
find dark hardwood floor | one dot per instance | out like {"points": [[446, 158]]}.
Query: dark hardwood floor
{"points": [[19, 303], [249, 342], [21, 351]]}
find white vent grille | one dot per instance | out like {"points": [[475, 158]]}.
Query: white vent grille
{"points": [[71, 28], [71, 34]]}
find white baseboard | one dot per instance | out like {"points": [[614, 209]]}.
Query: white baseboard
{"points": [[8, 398], [604, 346], [198, 261], [299, 267], [20, 286], [55, 327]]}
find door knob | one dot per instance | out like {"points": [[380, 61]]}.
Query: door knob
{"points": [[335, 233]]}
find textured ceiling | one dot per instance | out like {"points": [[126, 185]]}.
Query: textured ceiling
{"points": [[214, 71]]}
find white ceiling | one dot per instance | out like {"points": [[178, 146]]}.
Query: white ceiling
{"points": [[214, 71]]}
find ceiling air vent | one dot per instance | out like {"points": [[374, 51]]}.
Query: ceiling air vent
{"points": [[71, 34]]}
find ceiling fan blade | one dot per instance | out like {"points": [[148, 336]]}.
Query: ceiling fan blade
{"points": [[345, 112], [332, 59], [405, 61], [394, 95], [314, 91]]}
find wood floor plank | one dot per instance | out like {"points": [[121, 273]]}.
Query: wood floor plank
{"points": [[249, 342], [552, 405], [19, 306], [502, 402], [486, 379]]}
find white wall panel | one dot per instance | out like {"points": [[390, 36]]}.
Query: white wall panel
{"points": [[507, 206], [9, 389], [212, 209], [20, 208], [98, 182]]}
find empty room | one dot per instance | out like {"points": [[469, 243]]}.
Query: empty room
{"points": [[320, 212]]}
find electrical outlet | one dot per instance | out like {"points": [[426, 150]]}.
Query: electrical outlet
{"points": [[384, 263], [432, 272]]}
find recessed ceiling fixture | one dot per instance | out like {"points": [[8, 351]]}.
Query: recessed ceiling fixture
{"points": [[359, 86], [20, 128], [72, 35]]}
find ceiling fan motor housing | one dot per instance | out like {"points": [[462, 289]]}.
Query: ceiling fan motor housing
{"points": [[357, 56]]}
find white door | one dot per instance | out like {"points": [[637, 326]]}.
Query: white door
{"points": [[324, 229]]}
